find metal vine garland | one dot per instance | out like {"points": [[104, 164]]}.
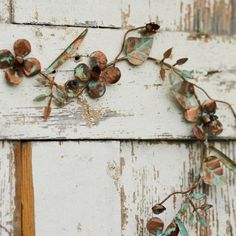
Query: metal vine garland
{"points": [[93, 79]]}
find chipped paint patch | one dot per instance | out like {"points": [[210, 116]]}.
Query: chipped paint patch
{"points": [[205, 17]]}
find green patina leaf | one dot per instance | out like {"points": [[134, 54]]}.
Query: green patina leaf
{"points": [[230, 164], [192, 219], [198, 196], [187, 74], [137, 50], [206, 207], [69, 52], [212, 172], [184, 207], [202, 221], [182, 228], [40, 98], [184, 93], [174, 78]]}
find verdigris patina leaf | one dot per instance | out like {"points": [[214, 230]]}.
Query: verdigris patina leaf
{"points": [[183, 231], [137, 50]]}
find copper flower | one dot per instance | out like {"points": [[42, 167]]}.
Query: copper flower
{"points": [[94, 78], [17, 65], [206, 122]]}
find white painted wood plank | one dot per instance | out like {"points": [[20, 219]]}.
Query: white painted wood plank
{"points": [[104, 13], [140, 97], [212, 16], [151, 171], [7, 188], [5, 11], [76, 191]]}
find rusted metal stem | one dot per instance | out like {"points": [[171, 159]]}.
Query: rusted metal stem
{"points": [[177, 71], [180, 192], [123, 43]]}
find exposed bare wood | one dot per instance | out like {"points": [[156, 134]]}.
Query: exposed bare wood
{"points": [[24, 198], [27, 191]]}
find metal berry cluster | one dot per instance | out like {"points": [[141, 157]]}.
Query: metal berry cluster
{"points": [[98, 73]]}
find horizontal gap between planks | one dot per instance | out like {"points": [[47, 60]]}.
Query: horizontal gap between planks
{"points": [[157, 140], [68, 26]]}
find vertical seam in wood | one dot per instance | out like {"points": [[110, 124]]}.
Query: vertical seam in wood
{"points": [[17, 212]]}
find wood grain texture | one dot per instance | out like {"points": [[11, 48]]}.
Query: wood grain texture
{"points": [[27, 191], [202, 16], [150, 171], [5, 11], [139, 98], [109, 189], [7, 187], [76, 188]]}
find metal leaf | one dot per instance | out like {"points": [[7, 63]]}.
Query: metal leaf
{"points": [[187, 74], [202, 221], [184, 93], [138, 49], [212, 173], [182, 229], [167, 54], [69, 52], [198, 196], [162, 73], [40, 98], [171, 230], [230, 164]]}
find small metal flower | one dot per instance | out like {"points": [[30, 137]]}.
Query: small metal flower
{"points": [[17, 66], [94, 78], [205, 119]]}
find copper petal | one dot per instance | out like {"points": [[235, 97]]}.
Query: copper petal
{"points": [[31, 67], [81, 72], [14, 75], [155, 225], [215, 127], [6, 58], [96, 88], [111, 75], [22, 47], [199, 133], [209, 105], [98, 58], [192, 114]]}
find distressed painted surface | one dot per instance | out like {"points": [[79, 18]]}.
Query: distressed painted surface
{"points": [[102, 187], [5, 11], [76, 190], [7, 187], [203, 16], [150, 171], [139, 98], [109, 189]]}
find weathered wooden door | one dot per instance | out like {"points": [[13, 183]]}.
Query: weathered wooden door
{"points": [[97, 167]]}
